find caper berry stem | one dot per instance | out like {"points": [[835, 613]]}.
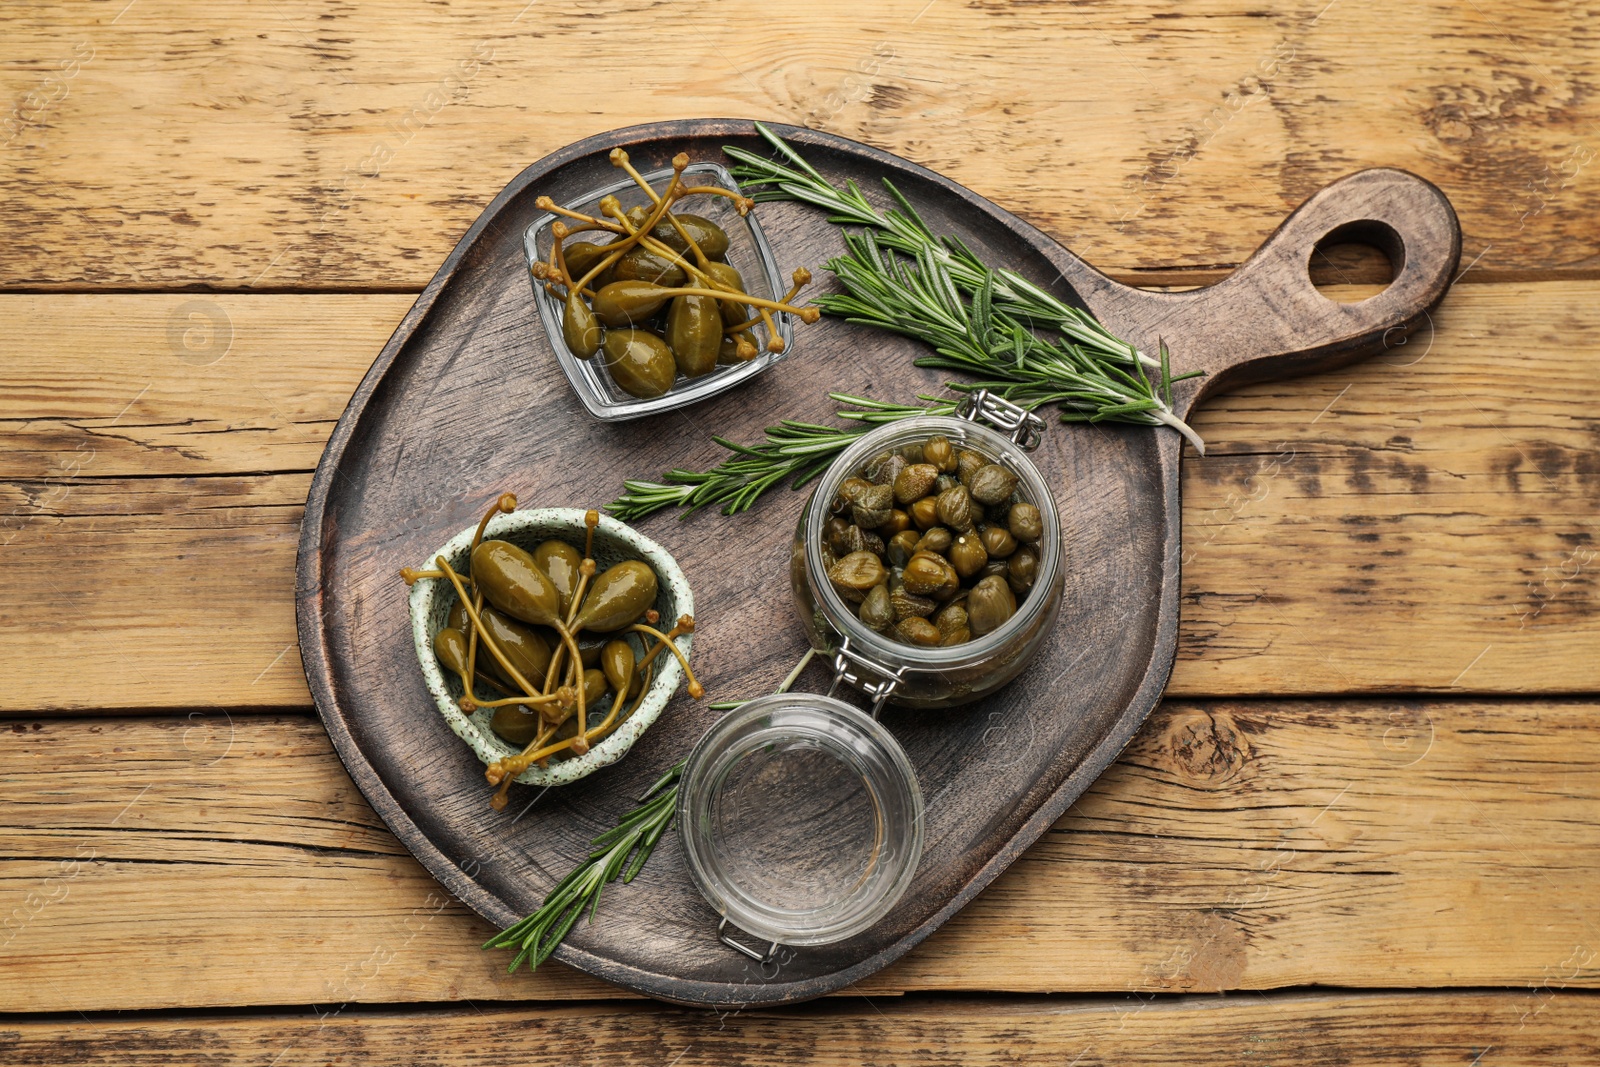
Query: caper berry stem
{"points": [[490, 643], [472, 655], [591, 519], [805, 314], [553, 698], [672, 255], [611, 717], [410, 575], [696, 690], [515, 765], [802, 278], [741, 204], [558, 257], [506, 502], [544, 203], [684, 625], [610, 206], [619, 158]]}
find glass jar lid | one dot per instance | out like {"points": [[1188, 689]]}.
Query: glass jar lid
{"points": [[801, 819]]}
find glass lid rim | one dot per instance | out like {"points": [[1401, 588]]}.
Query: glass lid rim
{"points": [[844, 917]]}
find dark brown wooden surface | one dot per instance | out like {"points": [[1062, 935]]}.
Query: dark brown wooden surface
{"points": [[463, 403]]}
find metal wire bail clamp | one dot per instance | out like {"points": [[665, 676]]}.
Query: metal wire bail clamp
{"points": [[1024, 428]]}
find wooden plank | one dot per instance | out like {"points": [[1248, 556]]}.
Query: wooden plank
{"points": [[1301, 1029], [1235, 846], [1437, 503], [1171, 142]]}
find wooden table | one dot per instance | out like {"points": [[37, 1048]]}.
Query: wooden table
{"points": [[1363, 826]]}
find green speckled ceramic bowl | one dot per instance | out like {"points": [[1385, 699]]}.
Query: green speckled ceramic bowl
{"points": [[432, 598]]}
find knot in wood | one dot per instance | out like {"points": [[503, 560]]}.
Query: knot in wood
{"points": [[1203, 748]]}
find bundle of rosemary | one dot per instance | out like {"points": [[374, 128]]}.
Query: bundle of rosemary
{"points": [[1015, 338]]}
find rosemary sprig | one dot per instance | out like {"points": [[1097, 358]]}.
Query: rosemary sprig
{"points": [[795, 452], [918, 298], [635, 836], [900, 275]]}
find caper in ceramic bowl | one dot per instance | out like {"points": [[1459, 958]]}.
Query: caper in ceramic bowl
{"points": [[432, 600]]}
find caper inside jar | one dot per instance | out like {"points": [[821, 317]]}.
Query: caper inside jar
{"points": [[931, 544]]}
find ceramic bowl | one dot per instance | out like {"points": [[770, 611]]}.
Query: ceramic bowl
{"points": [[432, 598]]}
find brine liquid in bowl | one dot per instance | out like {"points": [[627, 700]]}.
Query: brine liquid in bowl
{"points": [[801, 818]]}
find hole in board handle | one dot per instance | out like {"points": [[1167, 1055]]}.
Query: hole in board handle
{"points": [[1356, 261]]}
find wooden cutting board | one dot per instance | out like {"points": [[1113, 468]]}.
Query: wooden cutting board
{"points": [[466, 401]]}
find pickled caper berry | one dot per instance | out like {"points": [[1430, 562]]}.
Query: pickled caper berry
{"points": [[856, 574], [937, 540], [514, 583], [914, 482], [617, 597], [902, 545], [628, 303], [516, 724], [694, 333], [992, 484], [580, 329], [997, 541], [1023, 569], [897, 522], [560, 562], [711, 238], [641, 264], [870, 508], [733, 312], [917, 631], [928, 574], [639, 362], [967, 555], [876, 613], [939, 452], [956, 509]]}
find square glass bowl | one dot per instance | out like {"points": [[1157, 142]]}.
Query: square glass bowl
{"points": [[748, 252]]}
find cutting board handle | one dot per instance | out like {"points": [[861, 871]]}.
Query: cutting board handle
{"points": [[1266, 320]]}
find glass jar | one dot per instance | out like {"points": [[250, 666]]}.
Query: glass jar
{"points": [[910, 675], [801, 820]]}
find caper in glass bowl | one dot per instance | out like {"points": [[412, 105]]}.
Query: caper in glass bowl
{"points": [[493, 733], [933, 547]]}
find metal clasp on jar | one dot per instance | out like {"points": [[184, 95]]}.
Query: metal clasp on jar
{"points": [[864, 674], [1025, 428]]}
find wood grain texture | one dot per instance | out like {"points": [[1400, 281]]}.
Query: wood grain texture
{"points": [[1440, 497], [1305, 1030], [295, 146], [1235, 846]]}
